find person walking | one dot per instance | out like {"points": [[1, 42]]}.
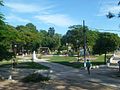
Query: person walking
{"points": [[88, 65]]}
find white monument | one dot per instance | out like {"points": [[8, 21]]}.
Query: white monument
{"points": [[10, 77], [34, 56]]}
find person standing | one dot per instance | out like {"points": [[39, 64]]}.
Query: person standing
{"points": [[119, 65], [88, 65]]}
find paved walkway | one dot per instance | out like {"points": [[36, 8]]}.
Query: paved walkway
{"points": [[101, 77], [68, 78]]}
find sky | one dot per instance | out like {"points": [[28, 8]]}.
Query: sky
{"points": [[61, 14]]}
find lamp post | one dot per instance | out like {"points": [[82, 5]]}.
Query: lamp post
{"points": [[84, 32], [15, 49]]}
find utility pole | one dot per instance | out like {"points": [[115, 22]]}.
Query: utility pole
{"points": [[84, 32], [78, 52]]}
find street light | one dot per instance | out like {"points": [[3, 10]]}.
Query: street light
{"points": [[15, 49], [84, 32]]}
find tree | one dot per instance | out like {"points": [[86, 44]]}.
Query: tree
{"points": [[29, 37], [107, 42], [51, 31], [111, 15], [92, 37], [4, 42], [57, 41], [1, 17], [31, 27], [75, 36], [50, 39]]}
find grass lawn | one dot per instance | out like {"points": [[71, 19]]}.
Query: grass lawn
{"points": [[31, 65], [72, 61], [28, 65], [65, 60], [98, 61]]}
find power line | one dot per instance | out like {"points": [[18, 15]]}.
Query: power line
{"points": [[106, 30]]}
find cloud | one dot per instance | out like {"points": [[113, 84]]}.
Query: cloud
{"points": [[27, 8], [56, 19], [44, 13], [108, 7], [13, 18], [114, 9]]}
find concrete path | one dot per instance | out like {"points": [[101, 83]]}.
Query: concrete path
{"points": [[101, 77], [68, 78]]}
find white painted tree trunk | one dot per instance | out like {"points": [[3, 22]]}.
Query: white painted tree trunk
{"points": [[34, 56]]}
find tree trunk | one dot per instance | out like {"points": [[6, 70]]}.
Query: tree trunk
{"points": [[105, 57]]}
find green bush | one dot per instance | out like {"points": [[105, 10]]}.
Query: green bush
{"points": [[35, 77]]}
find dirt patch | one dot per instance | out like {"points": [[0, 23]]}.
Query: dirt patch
{"points": [[53, 85]]}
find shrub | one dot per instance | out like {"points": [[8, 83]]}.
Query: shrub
{"points": [[35, 77]]}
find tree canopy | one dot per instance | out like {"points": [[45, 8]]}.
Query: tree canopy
{"points": [[107, 42], [26, 39]]}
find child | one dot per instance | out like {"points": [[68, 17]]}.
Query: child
{"points": [[88, 64]]}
